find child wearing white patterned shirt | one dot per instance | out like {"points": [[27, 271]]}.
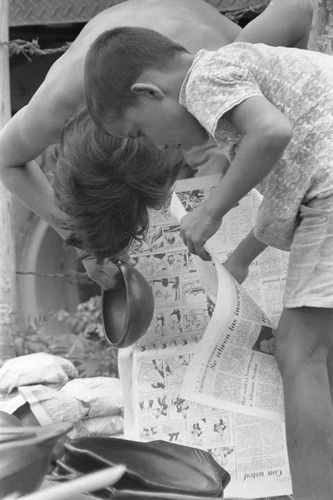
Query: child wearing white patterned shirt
{"points": [[271, 111]]}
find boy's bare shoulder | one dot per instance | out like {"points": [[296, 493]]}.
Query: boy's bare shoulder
{"points": [[193, 23], [62, 90], [63, 84], [40, 123]]}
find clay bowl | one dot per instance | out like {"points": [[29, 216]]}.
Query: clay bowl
{"points": [[127, 311], [25, 455], [9, 420]]}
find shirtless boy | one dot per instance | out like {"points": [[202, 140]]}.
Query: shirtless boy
{"points": [[192, 23]]}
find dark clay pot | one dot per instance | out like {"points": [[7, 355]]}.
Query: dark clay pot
{"points": [[127, 311]]}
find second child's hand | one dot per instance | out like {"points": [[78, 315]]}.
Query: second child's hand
{"points": [[196, 228]]}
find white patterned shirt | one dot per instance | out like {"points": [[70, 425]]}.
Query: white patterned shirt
{"points": [[300, 84]]}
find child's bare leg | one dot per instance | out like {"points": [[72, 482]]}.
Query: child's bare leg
{"points": [[303, 342]]}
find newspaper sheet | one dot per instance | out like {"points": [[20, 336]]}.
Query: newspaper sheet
{"points": [[174, 357], [235, 368]]}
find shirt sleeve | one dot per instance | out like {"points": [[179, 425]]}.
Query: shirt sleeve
{"points": [[218, 83]]}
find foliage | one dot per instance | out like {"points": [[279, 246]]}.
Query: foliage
{"points": [[83, 342]]}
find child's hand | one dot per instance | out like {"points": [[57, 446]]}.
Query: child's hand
{"points": [[236, 268], [196, 228]]}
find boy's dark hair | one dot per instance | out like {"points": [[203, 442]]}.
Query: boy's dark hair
{"points": [[115, 61], [105, 186]]}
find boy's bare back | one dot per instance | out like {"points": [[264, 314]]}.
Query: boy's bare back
{"points": [[193, 23]]}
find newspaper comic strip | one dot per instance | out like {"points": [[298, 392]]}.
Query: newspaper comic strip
{"points": [[177, 384]]}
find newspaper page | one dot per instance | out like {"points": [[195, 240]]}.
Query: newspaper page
{"points": [[266, 280], [51, 404], [235, 368], [251, 448]]}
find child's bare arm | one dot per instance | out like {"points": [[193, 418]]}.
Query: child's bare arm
{"points": [[21, 141], [239, 261], [266, 133], [283, 22]]}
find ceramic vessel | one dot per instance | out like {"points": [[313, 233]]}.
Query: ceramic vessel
{"points": [[25, 455], [127, 311]]}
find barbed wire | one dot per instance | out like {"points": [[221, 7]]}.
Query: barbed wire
{"points": [[32, 48], [73, 277]]}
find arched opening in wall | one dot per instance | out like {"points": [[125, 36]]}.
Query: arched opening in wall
{"points": [[43, 288]]}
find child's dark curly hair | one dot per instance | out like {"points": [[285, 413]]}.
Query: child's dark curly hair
{"points": [[105, 186]]}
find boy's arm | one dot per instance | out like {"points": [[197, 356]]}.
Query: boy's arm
{"points": [[27, 134], [283, 22], [239, 261], [266, 133], [22, 140]]}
